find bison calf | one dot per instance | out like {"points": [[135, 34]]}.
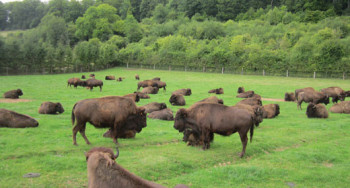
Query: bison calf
{"points": [[177, 100], [50, 108], [316, 111], [217, 91], [165, 114], [13, 94], [13, 119]]}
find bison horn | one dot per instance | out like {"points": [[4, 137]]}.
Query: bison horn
{"points": [[117, 153]]}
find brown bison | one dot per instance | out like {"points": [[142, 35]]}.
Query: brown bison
{"points": [[193, 138], [92, 75], [150, 90], [92, 82], [51, 108], [255, 110], [142, 95], [121, 134], [240, 90], [342, 107], [76, 82], [13, 94], [164, 114], [251, 101], [154, 106], [316, 111], [307, 89], [212, 99], [247, 94], [146, 83], [217, 91], [208, 118], [120, 79], [271, 110], [114, 112], [336, 93], [13, 119], [289, 97], [110, 78], [156, 79], [177, 100], [312, 97], [134, 96], [137, 77], [185, 92], [83, 77], [104, 172], [161, 85]]}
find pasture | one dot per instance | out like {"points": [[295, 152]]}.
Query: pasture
{"points": [[290, 150]]}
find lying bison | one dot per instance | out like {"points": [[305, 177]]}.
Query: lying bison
{"points": [[316, 111], [121, 134], [120, 79], [271, 110], [92, 75], [336, 93], [13, 94], [146, 83], [342, 107], [212, 99], [116, 113], [185, 92], [177, 100], [307, 89], [217, 91], [104, 172], [164, 114], [83, 77], [193, 138], [208, 118], [134, 96], [240, 90], [289, 97], [110, 78], [137, 77], [13, 119], [76, 82], [142, 95], [312, 97], [51, 108], [91, 83], [251, 101], [154, 106], [150, 90]]}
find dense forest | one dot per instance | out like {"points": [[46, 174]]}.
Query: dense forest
{"points": [[61, 35]]}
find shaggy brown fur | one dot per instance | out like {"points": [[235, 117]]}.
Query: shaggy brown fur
{"points": [[75, 82], [255, 110], [154, 106], [212, 99], [110, 78], [289, 97], [240, 90], [161, 85], [133, 96], [150, 90], [142, 95], [13, 94], [316, 111], [271, 110], [246, 94], [121, 134], [92, 82], [177, 100], [120, 79], [307, 89], [185, 92], [313, 97], [336, 93], [164, 114], [251, 101], [342, 107], [147, 83], [83, 77], [13, 119], [156, 79], [217, 91], [51, 108]]}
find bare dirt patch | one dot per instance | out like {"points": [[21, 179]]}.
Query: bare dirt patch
{"points": [[327, 164], [269, 99], [14, 100]]}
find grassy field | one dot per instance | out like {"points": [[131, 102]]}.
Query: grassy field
{"points": [[290, 150]]}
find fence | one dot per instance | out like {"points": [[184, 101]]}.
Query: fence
{"points": [[23, 70]]}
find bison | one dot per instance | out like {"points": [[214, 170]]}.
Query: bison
{"points": [[164, 114], [150, 90], [51, 108], [313, 97], [76, 82], [217, 91], [307, 89], [154, 106], [83, 77], [120, 79], [212, 99], [185, 92], [336, 93], [147, 83], [208, 118], [156, 79], [193, 138], [13, 94], [92, 75], [161, 85], [13, 119], [289, 96], [134, 96], [271, 110], [137, 77], [104, 172], [240, 90], [121, 134], [142, 95], [177, 100], [255, 110], [342, 107], [110, 78], [316, 111], [92, 82], [251, 101], [247, 94], [114, 112]]}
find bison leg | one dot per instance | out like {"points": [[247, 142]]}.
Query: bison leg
{"points": [[82, 132], [100, 88], [206, 139], [75, 131], [91, 88], [244, 140]]}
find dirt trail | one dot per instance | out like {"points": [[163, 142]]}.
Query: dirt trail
{"points": [[14, 100]]}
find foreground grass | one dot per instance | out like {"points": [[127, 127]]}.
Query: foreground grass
{"points": [[288, 150]]}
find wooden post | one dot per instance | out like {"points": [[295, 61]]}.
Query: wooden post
{"points": [[154, 66], [169, 68], [263, 72], [287, 73], [343, 75], [7, 71], [127, 65], [314, 75], [222, 70], [242, 71]]}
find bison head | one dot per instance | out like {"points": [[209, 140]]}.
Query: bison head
{"points": [[240, 90], [219, 91], [220, 101], [277, 109], [188, 92], [59, 108], [19, 92], [155, 84], [311, 110], [173, 99], [137, 121], [180, 120], [324, 100], [162, 106]]}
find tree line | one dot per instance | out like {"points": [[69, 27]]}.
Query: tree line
{"points": [[298, 35]]}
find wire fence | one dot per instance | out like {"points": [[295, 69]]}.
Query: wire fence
{"points": [[24, 70]]}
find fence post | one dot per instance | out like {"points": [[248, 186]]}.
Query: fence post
{"points": [[314, 75], [127, 65], [7, 71], [242, 71], [222, 70], [154, 66], [185, 68], [169, 68], [141, 66], [287, 73], [263, 72], [343, 75]]}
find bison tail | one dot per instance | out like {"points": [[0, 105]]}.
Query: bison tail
{"points": [[251, 132], [73, 116]]}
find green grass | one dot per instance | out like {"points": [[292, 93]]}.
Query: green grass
{"points": [[288, 149]]}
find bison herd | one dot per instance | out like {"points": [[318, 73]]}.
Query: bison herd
{"points": [[198, 123]]}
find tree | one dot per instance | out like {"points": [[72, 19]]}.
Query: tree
{"points": [[160, 13], [54, 30], [132, 29], [3, 16]]}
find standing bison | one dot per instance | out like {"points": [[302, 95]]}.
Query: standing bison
{"points": [[13, 94], [150, 90], [307, 89], [289, 97], [92, 82], [312, 97], [110, 78], [209, 118], [342, 107], [13, 119], [185, 92], [217, 91], [177, 100], [75, 82], [116, 113], [137, 77], [146, 83], [336, 93], [154, 106], [164, 114], [51, 108], [316, 111], [271, 110]]}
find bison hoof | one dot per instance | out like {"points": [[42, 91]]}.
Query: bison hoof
{"points": [[75, 144], [241, 155]]}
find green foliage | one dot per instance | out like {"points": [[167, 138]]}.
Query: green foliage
{"points": [[133, 30]]}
